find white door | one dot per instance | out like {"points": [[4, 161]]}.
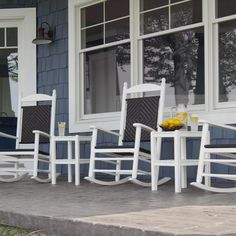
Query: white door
{"points": [[17, 57], [9, 68]]}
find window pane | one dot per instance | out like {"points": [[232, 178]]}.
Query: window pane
{"points": [[115, 9], [178, 57], [151, 4], [227, 61], [92, 15], [117, 30], [225, 8], [106, 70], [11, 37], [186, 13], [8, 82], [154, 21], [92, 36], [2, 40]]}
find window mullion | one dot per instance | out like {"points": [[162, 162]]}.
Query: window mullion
{"points": [[134, 32], [104, 24], [169, 15], [207, 13]]}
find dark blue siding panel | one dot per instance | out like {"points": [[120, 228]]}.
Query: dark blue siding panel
{"points": [[17, 3]]}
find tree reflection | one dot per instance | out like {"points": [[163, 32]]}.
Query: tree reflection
{"points": [[175, 57], [179, 57], [227, 59]]}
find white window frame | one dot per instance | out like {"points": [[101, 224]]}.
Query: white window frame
{"points": [[78, 121], [221, 112], [211, 110], [25, 19]]}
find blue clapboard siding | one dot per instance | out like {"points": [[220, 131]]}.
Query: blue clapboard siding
{"points": [[17, 3], [52, 66], [52, 60]]}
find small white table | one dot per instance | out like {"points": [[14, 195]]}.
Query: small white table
{"points": [[69, 160], [179, 162]]}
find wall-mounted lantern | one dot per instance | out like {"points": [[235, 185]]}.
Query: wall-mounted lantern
{"points": [[42, 36]]}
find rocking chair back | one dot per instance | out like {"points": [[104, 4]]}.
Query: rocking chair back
{"points": [[144, 110], [141, 110], [35, 116]]}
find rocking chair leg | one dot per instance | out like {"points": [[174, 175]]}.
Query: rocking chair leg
{"points": [[92, 154], [16, 166], [118, 165], [53, 160], [13, 179], [35, 171], [177, 164], [136, 153], [155, 157], [208, 165], [36, 158]]}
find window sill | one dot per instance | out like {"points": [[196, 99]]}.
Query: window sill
{"points": [[112, 123]]}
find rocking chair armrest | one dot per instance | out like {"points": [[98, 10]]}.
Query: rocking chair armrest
{"points": [[4, 135], [41, 133], [219, 125], [104, 130], [147, 128]]}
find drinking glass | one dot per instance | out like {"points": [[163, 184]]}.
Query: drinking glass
{"points": [[61, 128], [193, 122]]}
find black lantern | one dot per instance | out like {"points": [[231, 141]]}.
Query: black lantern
{"points": [[42, 36]]}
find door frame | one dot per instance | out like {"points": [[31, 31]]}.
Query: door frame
{"points": [[25, 19]]}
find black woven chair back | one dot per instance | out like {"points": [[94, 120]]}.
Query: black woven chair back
{"points": [[35, 118], [141, 110]]}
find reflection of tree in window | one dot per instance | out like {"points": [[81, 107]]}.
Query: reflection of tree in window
{"points": [[227, 59], [176, 57], [179, 57]]}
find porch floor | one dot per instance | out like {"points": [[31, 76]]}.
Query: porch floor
{"points": [[127, 209]]}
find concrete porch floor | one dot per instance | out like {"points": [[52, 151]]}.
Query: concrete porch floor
{"points": [[118, 210]]}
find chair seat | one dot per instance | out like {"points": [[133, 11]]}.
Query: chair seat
{"points": [[22, 150], [220, 146], [122, 147]]}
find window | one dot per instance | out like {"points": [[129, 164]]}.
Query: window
{"points": [[105, 72], [224, 27], [104, 58], [189, 42], [158, 16], [176, 56], [105, 52]]}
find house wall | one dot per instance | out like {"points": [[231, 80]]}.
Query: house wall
{"points": [[17, 3], [52, 73]]}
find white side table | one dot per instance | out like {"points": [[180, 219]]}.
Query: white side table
{"points": [[69, 160], [179, 161]]}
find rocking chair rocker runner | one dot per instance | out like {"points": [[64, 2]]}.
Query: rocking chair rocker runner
{"points": [[139, 116], [35, 125], [226, 155]]}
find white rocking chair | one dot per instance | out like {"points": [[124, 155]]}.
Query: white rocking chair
{"points": [[139, 117], [35, 125], [224, 154]]}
